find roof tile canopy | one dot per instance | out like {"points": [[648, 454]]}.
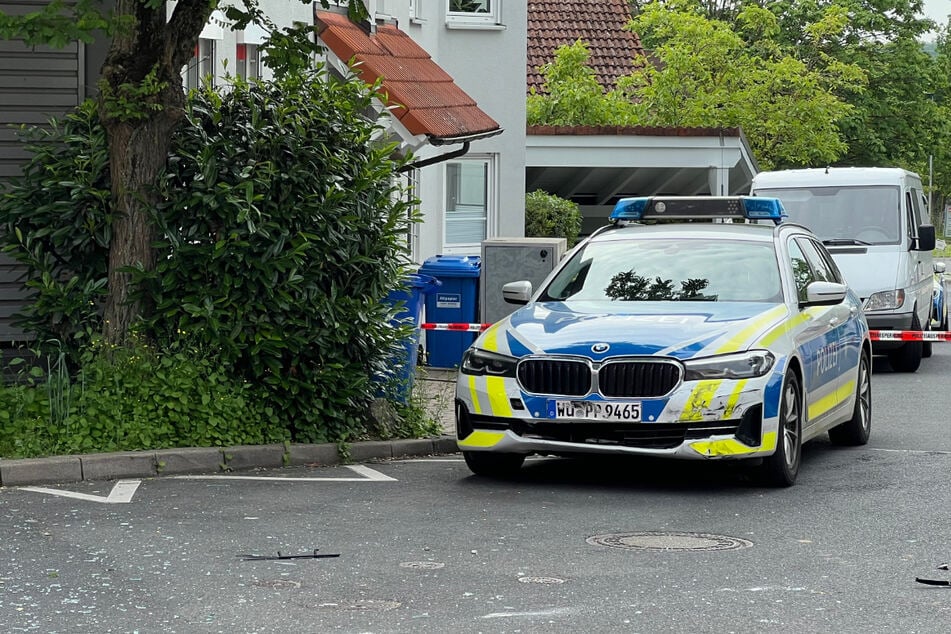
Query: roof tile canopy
{"points": [[598, 23], [422, 96]]}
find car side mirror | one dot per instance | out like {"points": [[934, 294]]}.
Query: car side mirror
{"points": [[940, 267], [517, 292], [825, 294], [926, 239]]}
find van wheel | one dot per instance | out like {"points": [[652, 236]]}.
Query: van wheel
{"points": [[907, 358]]}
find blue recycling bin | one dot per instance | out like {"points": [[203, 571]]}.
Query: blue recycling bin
{"points": [[456, 301], [412, 295]]}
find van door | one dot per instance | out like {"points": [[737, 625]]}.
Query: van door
{"points": [[923, 268]]}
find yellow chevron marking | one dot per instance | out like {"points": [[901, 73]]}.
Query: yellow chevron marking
{"points": [[490, 339], [829, 401], [734, 398], [739, 339], [498, 400], [474, 395], [482, 439], [732, 446], [780, 330], [699, 400]]}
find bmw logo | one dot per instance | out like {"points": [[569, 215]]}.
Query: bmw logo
{"points": [[600, 347]]}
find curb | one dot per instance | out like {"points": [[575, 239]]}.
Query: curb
{"points": [[192, 460]]}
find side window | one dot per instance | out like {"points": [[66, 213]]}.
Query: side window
{"points": [[821, 262], [920, 209], [461, 12], [910, 216], [802, 272]]}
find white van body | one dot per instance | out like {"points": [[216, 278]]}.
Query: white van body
{"points": [[875, 223]]}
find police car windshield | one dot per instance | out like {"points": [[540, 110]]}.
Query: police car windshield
{"points": [[659, 269], [865, 214]]}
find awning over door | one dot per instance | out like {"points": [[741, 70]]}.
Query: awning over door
{"points": [[427, 105]]}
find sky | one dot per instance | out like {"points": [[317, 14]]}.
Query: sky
{"points": [[937, 10]]}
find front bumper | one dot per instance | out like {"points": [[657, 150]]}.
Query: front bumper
{"points": [[888, 321], [700, 420]]}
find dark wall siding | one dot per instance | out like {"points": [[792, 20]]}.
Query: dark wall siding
{"points": [[36, 83]]}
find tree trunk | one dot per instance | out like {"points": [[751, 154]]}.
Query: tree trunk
{"points": [[141, 103]]}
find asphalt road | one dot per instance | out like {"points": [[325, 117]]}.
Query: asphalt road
{"points": [[566, 547]]}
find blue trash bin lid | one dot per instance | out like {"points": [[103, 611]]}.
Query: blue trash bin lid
{"points": [[425, 284], [452, 266]]}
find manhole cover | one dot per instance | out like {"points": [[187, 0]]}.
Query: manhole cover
{"points": [[278, 584], [667, 541], [551, 581], [422, 565]]}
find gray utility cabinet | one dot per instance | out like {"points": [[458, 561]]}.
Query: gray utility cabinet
{"points": [[507, 260]]}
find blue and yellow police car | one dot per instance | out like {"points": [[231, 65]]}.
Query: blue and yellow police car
{"points": [[690, 327]]}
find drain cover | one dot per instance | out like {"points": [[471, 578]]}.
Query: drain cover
{"points": [[669, 541]]}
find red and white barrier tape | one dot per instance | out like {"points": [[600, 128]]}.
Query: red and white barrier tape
{"points": [[456, 327], [909, 335], [875, 335]]}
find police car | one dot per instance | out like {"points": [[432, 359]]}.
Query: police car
{"points": [[686, 328]]}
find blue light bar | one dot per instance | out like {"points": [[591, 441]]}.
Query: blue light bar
{"points": [[688, 208], [758, 208], [629, 209]]}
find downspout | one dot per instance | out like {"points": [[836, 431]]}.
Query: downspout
{"points": [[436, 159]]}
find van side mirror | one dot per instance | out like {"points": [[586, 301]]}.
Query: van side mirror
{"points": [[926, 239]]}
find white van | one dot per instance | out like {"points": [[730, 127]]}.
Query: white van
{"points": [[874, 221]]}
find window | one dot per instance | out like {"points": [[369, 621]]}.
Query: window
{"points": [[473, 12], [249, 61], [802, 273], [201, 65], [469, 193], [823, 266]]}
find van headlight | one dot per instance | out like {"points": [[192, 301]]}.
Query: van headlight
{"points": [[481, 362], [743, 365], [885, 300]]}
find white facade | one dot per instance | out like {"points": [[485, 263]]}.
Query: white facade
{"points": [[463, 200]]}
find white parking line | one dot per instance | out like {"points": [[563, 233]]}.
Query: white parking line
{"points": [[369, 475], [121, 493]]}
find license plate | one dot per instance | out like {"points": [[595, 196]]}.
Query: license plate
{"points": [[628, 411]]}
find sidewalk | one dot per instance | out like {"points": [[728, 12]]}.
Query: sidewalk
{"points": [[437, 392]]}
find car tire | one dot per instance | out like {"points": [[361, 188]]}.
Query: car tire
{"points": [[781, 468], [493, 465], [907, 358], [856, 430]]}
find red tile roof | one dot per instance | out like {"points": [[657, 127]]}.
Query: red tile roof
{"points": [[598, 23], [427, 101]]}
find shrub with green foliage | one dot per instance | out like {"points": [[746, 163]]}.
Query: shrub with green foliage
{"points": [[548, 216], [282, 231], [56, 221]]}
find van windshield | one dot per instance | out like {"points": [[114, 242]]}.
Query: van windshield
{"points": [[867, 214]]}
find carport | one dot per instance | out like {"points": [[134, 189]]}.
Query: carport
{"points": [[596, 165]]}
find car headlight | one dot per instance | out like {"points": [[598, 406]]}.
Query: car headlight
{"points": [[743, 365], [885, 300], [481, 362]]}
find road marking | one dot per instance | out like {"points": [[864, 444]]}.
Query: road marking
{"points": [[369, 475], [121, 493], [533, 613], [924, 451]]}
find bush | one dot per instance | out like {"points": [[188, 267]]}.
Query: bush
{"points": [[548, 216], [283, 229], [132, 398]]}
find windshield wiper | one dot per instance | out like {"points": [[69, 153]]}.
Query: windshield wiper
{"points": [[834, 242]]}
